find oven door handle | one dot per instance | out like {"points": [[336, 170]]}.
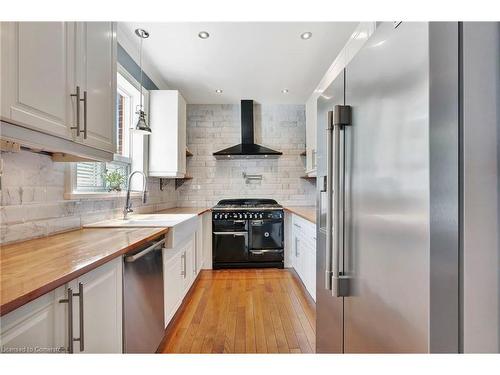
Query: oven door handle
{"points": [[264, 251], [231, 233]]}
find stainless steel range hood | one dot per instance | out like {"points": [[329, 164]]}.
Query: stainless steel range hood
{"points": [[247, 149]]}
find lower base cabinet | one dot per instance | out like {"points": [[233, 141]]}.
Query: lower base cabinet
{"points": [[302, 251], [37, 327], [43, 325], [179, 272], [102, 309]]}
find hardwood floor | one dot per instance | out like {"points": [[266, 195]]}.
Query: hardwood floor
{"points": [[244, 311]]}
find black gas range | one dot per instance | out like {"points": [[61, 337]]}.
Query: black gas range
{"points": [[247, 233]]}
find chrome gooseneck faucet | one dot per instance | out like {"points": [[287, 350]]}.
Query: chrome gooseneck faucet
{"points": [[128, 204]]}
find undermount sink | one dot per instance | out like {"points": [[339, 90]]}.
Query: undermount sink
{"points": [[181, 225]]}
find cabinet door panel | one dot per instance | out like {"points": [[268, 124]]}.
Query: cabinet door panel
{"points": [[97, 74], [38, 75], [102, 309], [199, 246], [37, 327], [188, 250], [173, 283]]}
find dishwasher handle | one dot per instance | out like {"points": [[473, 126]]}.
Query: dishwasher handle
{"points": [[133, 258]]}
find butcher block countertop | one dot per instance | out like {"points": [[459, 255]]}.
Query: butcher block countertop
{"points": [[306, 212], [185, 210], [32, 268]]}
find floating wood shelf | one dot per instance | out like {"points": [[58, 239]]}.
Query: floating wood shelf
{"points": [[303, 153], [309, 178], [188, 153]]}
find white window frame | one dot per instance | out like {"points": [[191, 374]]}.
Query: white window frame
{"points": [[138, 148]]}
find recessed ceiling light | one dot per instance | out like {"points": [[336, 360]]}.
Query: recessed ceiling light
{"points": [[203, 35], [218, 91], [284, 91], [306, 35]]}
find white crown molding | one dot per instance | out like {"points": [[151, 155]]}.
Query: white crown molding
{"points": [[131, 46]]}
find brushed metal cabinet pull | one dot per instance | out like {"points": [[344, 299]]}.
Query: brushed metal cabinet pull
{"points": [[78, 99], [183, 265], [69, 301], [82, 327], [85, 114]]}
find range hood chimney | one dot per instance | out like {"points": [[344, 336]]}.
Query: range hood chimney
{"points": [[247, 149]]}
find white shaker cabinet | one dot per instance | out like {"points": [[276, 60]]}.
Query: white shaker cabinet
{"points": [[38, 75], [303, 252], [200, 243], [311, 123], [102, 309], [96, 77], [189, 251], [37, 327], [179, 274], [43, 325], [173, 279], [59, 78], [167, 145]]}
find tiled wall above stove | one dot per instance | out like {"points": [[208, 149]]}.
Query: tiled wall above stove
{"points": [[213, 127]]}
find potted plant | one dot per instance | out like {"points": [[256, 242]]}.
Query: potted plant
{"points": [[114, 180]]}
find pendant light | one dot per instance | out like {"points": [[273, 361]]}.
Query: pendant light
{"points": [[141, 126]]}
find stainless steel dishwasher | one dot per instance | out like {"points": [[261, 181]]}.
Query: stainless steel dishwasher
{"points": [[143, 319]]}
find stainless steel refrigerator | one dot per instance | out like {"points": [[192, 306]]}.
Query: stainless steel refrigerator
{"points": [[389, 248]]}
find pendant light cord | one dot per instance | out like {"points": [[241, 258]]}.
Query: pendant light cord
{"points": [[140, 62]]}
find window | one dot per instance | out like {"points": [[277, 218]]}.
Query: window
{"points": [[90, 177]]}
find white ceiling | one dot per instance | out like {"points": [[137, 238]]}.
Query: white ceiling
{"points": [[247, 60]]}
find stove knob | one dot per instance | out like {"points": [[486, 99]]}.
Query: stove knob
{"points": [[215, 216], [261, 216]]}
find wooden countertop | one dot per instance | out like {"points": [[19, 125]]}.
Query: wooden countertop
{"points": [[185, 210], [306, 212], [32, 268]]}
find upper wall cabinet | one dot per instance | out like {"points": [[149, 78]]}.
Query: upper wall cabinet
{"points": [[59, 78], [311, 136], [38, 75], [97, 78], [167, 142]]}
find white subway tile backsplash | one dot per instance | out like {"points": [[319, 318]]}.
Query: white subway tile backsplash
{"points": [[33, 203], [214, 127]]}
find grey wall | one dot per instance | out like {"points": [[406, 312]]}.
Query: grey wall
{"points": [[131, 66], [211, 128]]}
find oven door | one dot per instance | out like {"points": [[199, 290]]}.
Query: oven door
{"points": [[229, 225], [230, 247], [266, 234]]}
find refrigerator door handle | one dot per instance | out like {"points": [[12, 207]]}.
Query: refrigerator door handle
{"points": [[329, 193]]}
